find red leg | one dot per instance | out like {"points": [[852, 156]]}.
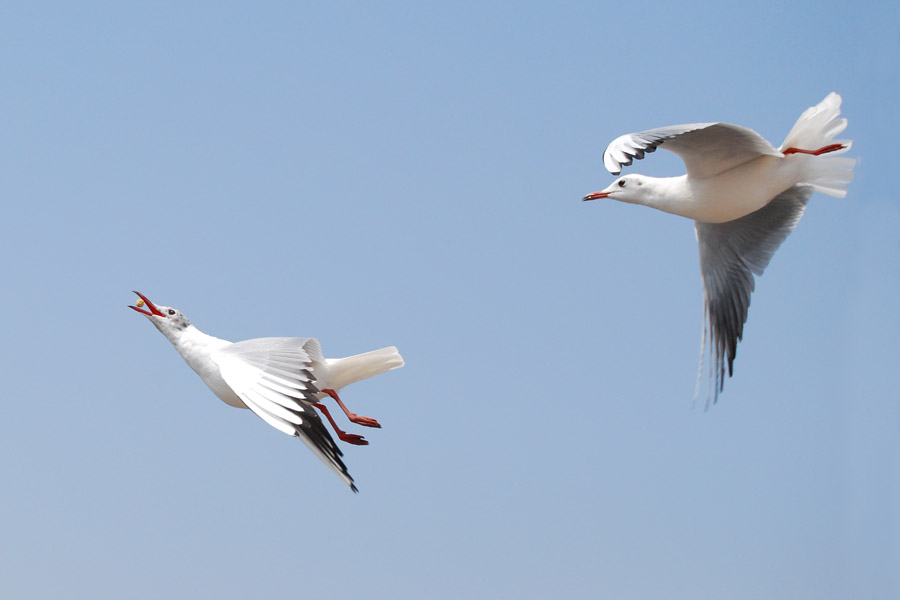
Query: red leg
{"points": [[350, 438], [354, 418], [822, 150]]}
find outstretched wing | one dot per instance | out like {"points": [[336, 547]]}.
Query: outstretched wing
{"points": [[706, 148], [731, 254], [273, 377]]}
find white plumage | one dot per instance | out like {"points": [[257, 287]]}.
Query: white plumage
{"points": [[280, 379], [745, 197]]}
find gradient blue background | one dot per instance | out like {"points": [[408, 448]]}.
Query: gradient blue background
{"points": [[395, 173]]}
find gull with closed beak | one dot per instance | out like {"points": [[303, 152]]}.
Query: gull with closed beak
{"points": [[745, 197], [281, 379]]}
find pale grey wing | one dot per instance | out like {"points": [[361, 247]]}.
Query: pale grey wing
{"points": [[706, 148], [730, 255], [273, 377]]}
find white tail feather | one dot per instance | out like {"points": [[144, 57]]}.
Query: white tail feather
{"points": [[830, 175], [344, 371], [817, 127]]}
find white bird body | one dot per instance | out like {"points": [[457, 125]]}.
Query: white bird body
{"points": [[744, 195], [280, 379], [700, 198], [748, 187], [200, 349]]}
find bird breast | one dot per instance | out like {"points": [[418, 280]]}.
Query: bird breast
{"points": [[197, 349], [213, 379]]}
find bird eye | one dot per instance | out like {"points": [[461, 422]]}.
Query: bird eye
{"points": [[621, 183], [171, 311]]}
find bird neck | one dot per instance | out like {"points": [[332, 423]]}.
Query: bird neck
{"points": [[191, 342], [668, 194]]}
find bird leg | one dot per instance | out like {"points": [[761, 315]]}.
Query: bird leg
{"points": [[354, 418], [350, 438], [822, 150]]}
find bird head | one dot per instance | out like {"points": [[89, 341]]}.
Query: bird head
{"points": [[170, 321], [629, 188]]}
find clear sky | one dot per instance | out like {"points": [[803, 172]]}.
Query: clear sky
{"points": [[409, 174]]}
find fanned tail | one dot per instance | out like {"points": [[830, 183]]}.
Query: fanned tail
{"points": [[830, 175], [816, 128]]}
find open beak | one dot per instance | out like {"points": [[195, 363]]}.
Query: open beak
{"points": [[153, 310], [595, 196]]}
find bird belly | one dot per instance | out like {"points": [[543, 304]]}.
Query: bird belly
{"points": [[224, 392], [741, 190], [210, 375]]}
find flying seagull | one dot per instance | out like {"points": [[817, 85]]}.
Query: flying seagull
{"points": [[281, 379], [745, 197]]}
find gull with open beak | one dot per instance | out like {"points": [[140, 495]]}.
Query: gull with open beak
{"points": [[281, 379], [745, 197]]}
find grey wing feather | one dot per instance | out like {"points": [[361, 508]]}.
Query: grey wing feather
{"points": [[731, 254], [705, 148], [274, 379], [624, 149]]}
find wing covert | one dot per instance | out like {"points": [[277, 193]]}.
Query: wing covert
{"points": [[706, 148]]}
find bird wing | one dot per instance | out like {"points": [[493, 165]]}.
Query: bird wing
{"points": [[731, 254], [273, 377], [706, 148]]}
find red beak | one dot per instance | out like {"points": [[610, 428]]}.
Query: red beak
{"points": [[595, 196], [153, 310]]}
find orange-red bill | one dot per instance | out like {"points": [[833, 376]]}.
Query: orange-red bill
{"points": [[595, 196], [153, 310]]}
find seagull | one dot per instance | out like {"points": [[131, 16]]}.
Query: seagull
{"points": [[281, 379], [745, 197]]}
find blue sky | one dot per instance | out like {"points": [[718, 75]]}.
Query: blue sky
{"points": [[407, 174]]}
